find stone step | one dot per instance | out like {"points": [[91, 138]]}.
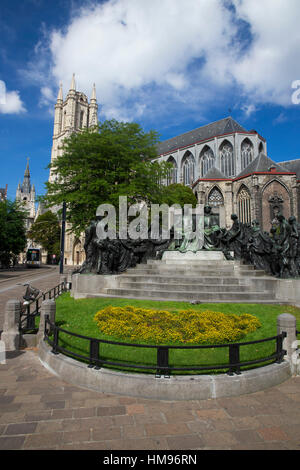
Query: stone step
{"points": [[191, 296], [192, 271], [215, 280], [222, 263], [184, 287]]}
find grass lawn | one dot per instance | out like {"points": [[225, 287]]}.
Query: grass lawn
{"points": [[77, 316]]}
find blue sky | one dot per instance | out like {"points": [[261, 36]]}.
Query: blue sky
{"points": [[170, 65]]}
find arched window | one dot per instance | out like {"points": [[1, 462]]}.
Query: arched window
{"points": [[172, 173], [226, 157], [215, 198], [244, 205], [261, 148], [81, 119], [207, 160], [188, 169], [246, 153]]}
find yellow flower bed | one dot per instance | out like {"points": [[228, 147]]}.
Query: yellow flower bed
{"points": [[164, 327]]}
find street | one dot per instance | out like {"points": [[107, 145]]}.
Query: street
{"points": [[42, 278]]}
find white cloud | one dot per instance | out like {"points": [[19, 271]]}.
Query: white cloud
{"points": [[272, 62], [10, 101], [160, 53]]}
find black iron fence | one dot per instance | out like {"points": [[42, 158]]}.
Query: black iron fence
{"points": [[31, 311], [162, 366]]}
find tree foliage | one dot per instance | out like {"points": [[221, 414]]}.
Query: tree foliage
{"points": [[12, 231], [46, 231], [97, 166], [178, 194]]}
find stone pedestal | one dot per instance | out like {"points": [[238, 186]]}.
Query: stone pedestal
{"points": [[11, 335], [201, 255]]}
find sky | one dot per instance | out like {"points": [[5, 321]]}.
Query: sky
{"points": [[170, 65]]}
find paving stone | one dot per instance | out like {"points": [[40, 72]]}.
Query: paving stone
{"points": [[134, 409], [273, 434], [106, 434], [11, 442], [84, 412], [21, 428], [166, 429], [111, 410], [217, 439], [138, 444], [185, 442], [76, 436], [130, 432], [43, 440]]}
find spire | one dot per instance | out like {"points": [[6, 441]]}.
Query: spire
{"points": [[27, 172], [94, 97], [60, 93], [26, 186], [73, 84]]}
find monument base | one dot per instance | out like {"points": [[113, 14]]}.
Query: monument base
{"points": [[201, 255]]}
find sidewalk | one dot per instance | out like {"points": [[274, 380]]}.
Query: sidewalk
{"points": [[40, 411]]}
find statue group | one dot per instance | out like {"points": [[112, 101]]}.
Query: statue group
{"points": [[277, 252], [114, 256]]}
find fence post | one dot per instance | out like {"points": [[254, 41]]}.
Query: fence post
{"points": [[287, 323], [48, 308], [11, 335], [63, 280]]}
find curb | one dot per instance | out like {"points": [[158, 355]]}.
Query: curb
{"points": [[174, 388]]}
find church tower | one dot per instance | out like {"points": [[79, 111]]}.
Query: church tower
{"points": [[26, 195], [71, 115]]}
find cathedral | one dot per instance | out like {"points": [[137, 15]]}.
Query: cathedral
{"points": [[226, 166]]}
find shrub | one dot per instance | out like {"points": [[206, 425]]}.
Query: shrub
{"points": [[164, 327]]}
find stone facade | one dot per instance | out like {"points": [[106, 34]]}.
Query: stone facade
{"points": [[71, 115], [227, 168]]}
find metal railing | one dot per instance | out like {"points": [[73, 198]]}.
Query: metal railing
{"points": [[30, 312], [162, 366]]}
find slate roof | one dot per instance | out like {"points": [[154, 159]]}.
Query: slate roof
{"points": [[214, 173], [262, 163], [293, 166], [224, 126]]}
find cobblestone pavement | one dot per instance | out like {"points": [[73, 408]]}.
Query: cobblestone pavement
{"points": [[40, 411]]}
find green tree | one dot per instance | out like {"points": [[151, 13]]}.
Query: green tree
{"points": [[178, 194], [12, 231], [46, 231], [97, 166]]}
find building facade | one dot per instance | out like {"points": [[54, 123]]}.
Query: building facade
{"points": [[228, 168]]}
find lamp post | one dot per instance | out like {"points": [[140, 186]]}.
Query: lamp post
{"points": [[62, 239]]}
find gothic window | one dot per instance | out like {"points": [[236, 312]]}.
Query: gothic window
{"points": [[226, 157], [246, 153], [207, 160], [244, 205], [215, 198], [81, 119], [172, 173], [188, 169], [261, 147]]}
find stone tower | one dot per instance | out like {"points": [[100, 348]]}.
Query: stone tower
{"points": [[71, 115], [26, 195]]}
